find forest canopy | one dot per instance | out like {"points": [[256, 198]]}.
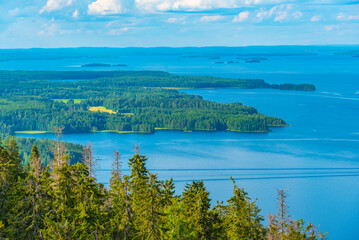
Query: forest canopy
{"points": [[134, 101], [63, 201]]}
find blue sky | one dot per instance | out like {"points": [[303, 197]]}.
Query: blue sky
{"points": [[176, 23]]}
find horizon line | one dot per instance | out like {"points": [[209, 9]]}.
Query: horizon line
{"points": [[208, 46]]}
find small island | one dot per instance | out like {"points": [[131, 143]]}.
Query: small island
{"points": [[96, 65], [99, 65], [252, 61]]}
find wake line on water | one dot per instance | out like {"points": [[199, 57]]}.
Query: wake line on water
{"points": [[236, 169], [268, 178], [319, 94], [281, 139], [262, 178], [270, 174]]}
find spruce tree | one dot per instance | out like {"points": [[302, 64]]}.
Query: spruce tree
{"points": [[119, 203], [195, 206], [243, 219], [35, 162], [146, 200], [88, 159], [77, 204], [31, 198], [11, 176]]}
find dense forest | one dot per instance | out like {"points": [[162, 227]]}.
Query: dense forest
{"points": [[63, 201], [147, 79], [45, 149], [135, 102]]}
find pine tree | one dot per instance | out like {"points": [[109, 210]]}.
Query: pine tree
{"points": [[31, 198], [195, 206], [77, 204], [146, 200], [119, 203], [88, 159], [59, 151], [282, 210], [281, 227], [11, 176], [67, 203], [172, 211], [35, 162], [278, 224], [168, 191], [243, 219]]}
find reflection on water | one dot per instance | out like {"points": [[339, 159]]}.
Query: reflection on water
{"points": [[316, 158]]}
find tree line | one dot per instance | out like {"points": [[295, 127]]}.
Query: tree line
{"points": [[28, 104], [148, 79], [64, 201], [45, 149]]}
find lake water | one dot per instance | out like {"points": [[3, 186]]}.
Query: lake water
{"points": [[316, 158]]}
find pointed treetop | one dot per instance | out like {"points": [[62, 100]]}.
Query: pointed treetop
{"points": [[137, 149]]}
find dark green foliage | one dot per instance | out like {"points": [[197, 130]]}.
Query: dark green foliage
{"points": [[34, 101], [197, 217], [45, 149], [67, 203], [146, 79], [244, 220]]}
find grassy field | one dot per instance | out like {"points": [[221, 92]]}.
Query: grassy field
{"points": [[101, 109], [114, 131], [127, 114], [76, 101], [30, 132]]}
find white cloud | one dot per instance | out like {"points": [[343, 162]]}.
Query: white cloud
{"points": [[258, 2], [52, 5], [280, 13], [50, 29], [119, 31], [297, 14], [345, 17], [75, 14], [176, 20], [316, 18], [167, 5], [105, 7], [14, 12], [331, 27], [171, 20], [210, 18], [242, 16], [186, 5]]}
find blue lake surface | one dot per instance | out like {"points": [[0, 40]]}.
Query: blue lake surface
{"points": [[316, 158]]}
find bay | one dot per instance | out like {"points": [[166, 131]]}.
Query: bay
{"points": [[316, 158]]}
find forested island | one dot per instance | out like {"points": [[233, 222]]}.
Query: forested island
{"points": [[94, 65], [63, 201], [124, 101]]}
